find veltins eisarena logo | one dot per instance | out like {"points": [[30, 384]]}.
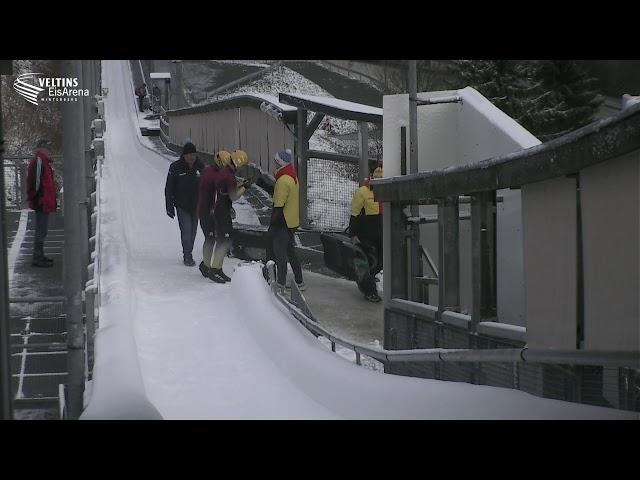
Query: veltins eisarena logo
{"points": [[34, 87]]}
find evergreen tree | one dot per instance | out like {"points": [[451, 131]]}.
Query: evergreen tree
{"points": [[547, 97], [503, 82], [566, 98]]}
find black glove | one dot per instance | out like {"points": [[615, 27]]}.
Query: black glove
{"points": [[171, 212]]}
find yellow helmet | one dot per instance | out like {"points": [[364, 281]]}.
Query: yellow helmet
{"points": [[239, 158], [222, 158], [377, 173]]}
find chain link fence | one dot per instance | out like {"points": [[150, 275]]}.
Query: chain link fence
{"points": [[15, 190], [331, 185]]}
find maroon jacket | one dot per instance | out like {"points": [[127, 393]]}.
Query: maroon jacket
{"points": [[41, 186], [207, 192], [226, 184]]}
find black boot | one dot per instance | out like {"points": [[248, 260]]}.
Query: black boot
{"points": [[41, 263], [204, 270], [224, 275], [214, 274], [187, 259]]}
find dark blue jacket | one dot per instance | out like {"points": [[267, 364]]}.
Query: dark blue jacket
{"points": [[182, 185]]}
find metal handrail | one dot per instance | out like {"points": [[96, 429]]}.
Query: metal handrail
{"points": [[37, 299], [624, 359]]}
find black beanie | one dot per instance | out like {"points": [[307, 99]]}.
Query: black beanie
{"points": [[188, 148]]}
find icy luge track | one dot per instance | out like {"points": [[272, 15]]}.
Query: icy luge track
{"points": [[173, 345]]}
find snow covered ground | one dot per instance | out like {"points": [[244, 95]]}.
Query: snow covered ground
{"points": [[173, 343]]}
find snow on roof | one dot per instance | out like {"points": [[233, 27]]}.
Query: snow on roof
{"points": [[497, 117], [341, 104], [269, 98], [160, 75]]}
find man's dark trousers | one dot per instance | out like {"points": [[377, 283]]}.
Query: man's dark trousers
{"points": [[188, 223], [42, 226], [282, 243]]}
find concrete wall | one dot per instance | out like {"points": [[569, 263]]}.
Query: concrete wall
{"points": [[610, 200], [245, 128], [459, 134]]}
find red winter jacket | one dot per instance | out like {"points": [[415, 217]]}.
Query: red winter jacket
{"points": [[207, 192], [41, 186]]}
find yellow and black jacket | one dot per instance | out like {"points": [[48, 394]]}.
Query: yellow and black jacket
{"points": [[366, 218]]}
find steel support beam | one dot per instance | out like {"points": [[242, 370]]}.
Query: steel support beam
{"points": [[6, 409], [363, 143], [75, 235], [415, 293], [448, 255], [303, 160], [398, 247], [88, 115], [483, 257], [313, 125]]}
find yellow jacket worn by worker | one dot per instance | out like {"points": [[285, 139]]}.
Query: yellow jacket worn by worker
{"points": [[286, 195], [366, 222]]}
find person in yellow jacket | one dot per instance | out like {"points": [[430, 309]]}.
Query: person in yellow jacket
{"points": [[365, 230], [285, 219]]}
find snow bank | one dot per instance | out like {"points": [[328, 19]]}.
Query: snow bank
{"points": [[357, 393]]}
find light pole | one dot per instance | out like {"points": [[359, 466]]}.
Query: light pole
{"points": [[416, 264], [74, 236], [5, 356]]}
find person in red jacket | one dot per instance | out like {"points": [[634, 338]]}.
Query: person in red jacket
{"points": [[41, 192]]}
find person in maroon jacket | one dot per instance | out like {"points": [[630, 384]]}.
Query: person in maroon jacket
{"points": [[227, 191], [41, 192], [206, 201]]}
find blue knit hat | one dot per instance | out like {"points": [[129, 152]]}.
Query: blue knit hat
{"points": [[283, 157]]}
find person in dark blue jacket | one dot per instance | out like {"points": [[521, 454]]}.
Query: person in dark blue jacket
{"points": [[181, 196]]}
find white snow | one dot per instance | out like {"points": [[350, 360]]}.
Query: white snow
{"points": [[269, 98], [498, 118], [14, 251], [245, 214], [342, 104], [173, 341]]}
